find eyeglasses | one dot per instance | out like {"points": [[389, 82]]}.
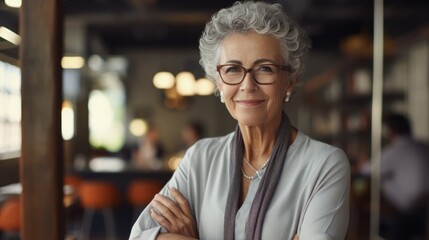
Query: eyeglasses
{"points": [[263, 74]]}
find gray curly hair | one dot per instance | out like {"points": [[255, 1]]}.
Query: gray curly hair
{"points": [[262, 18]]}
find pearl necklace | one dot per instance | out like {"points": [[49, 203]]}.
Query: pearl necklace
{"points": [[257, 172]]}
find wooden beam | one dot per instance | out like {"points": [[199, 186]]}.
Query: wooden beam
{"points": [[41, 163]]}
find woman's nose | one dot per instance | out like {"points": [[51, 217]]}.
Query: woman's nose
{"points": [[249, 82]]}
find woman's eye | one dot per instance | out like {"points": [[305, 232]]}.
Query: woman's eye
{"points": [[233, 69], [265, 68]]}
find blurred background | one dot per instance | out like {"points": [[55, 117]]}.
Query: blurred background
{"points": [[135, 96]]}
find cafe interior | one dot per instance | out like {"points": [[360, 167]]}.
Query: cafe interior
{"points": [[99, 100]]}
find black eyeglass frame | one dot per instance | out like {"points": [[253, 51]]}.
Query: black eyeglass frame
{"points": [[250, 70]]}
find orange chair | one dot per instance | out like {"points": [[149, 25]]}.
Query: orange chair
{"points": [[141, 192], [10, 217], [98, 196]]}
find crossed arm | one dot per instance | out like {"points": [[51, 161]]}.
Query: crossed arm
{"points": [[176, 217]]}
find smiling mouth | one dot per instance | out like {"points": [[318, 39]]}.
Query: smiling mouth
{"points": [[250, 102]]}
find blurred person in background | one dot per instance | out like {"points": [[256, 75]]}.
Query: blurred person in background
{"points": [[267, 179], [404, 181], [150, 152], [191, 133]]}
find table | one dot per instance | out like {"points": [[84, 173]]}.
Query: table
{"points": [[15, 190]]}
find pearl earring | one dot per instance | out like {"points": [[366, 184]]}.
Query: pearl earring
{"points": [[222, 99], [287, 97]]}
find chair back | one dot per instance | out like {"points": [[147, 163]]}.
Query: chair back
{"points": [[141, 192], [98, 194], [10, 215]]}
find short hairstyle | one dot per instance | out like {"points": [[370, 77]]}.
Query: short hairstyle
{"points": [[398, 123], [259, 17]]}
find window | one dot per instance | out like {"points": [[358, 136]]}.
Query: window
{"points": [[10, 110], [106, 114]]}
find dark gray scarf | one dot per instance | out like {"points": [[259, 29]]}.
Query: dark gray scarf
{"points": [[266, 188]]}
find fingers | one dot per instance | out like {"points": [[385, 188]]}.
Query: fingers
{"points": [[296, 237], [163, 213], [175, 217], [160, 219], [178, 208], [165, 205], [182, 201], [168, 213]]}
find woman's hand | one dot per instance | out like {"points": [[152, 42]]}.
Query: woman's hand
{"points": [[175, 217], [296, 237]]}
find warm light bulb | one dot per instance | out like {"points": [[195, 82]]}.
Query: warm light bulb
{"points": [[13, 3], [67, 120], [185, 83], [204, 87], [163, 80], [138, 127], [173, 163], [72, 62]]}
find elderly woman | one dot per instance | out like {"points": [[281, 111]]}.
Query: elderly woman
{"points": [[265, 180]]}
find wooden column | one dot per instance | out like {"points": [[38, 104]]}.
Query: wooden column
{"points": [[376, 119], [41, 163]]}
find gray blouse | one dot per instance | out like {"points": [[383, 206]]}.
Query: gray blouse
{"points": [[311, 200]]}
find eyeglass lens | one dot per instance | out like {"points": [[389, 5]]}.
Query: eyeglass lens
{"points": [[262, 74]]}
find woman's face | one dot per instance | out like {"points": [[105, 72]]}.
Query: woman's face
{"points": [[250, 103]]}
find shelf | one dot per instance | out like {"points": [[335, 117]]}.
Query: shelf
{"points": [[367, 98], [341, 107], [351, 102]]}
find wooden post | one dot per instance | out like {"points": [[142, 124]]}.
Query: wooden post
{"points": [[41, 163], [376, 119]]}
